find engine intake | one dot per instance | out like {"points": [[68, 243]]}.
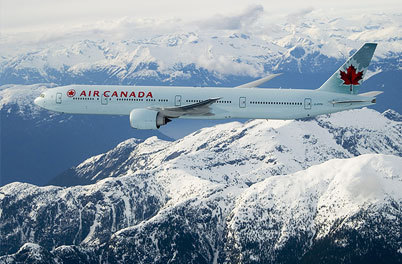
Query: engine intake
{"points": [[147, 119]]}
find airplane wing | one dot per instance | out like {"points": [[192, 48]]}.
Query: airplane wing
{"points": [[197, 109], [258, 82]]}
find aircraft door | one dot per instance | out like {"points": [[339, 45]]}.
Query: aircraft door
{"points": [[58, 98], [177, 100], [104, 100], [307, 103], [242, 102]]}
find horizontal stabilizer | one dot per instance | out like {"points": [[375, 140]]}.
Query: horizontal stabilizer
{"points": [[371, 94], [348, 101], [258, 82]]}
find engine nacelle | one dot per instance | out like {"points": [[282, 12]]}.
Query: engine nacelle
{"points": [[147, 119]]}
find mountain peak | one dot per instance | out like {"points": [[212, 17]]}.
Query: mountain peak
{"points": [[250, 152], [221, 189], [392, 115], [325, 198]]}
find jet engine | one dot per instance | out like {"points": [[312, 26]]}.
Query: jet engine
{"points": [[147, 119]]}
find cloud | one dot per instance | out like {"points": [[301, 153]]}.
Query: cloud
{"points": [[296, 16], [240, 21], [225, 64], [124, 28]]}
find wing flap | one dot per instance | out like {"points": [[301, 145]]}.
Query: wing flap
{"points": [[197, 109]]}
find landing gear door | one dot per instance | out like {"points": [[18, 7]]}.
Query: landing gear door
{"points": [[58, 98], [242, 102]]}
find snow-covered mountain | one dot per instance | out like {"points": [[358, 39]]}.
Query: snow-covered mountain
{"points": [[306, 47], [258, 192], [200, 55], [327, 212], [351, 214], [313, 191], [237, 153]]}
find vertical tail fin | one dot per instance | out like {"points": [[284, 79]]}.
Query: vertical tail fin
{"points": [[349, 77]]}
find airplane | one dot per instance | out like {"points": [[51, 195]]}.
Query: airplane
{"points": [[150, 107]]}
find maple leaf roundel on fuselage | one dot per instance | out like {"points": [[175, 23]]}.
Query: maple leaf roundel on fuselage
{"points": [[71, 93], [350, 77]]}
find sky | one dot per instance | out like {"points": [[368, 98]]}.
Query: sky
{"points": [[40, 15]]}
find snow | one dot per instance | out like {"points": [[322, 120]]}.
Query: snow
{"points": [[358, 121], [93, 227], [189, 175], [238, 51], [22, 95], [34, 250], [92, 160], [258, 181], [315, 198], [370, 74]]}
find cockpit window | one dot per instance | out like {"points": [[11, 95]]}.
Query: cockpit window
{"points": [[42, 95]]}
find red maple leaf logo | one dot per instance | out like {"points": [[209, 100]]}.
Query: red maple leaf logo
{"points": [[351, 77], [71, 93]]}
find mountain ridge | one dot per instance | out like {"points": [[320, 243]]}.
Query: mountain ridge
{"points": [[213, 196], [307, 44], [210, 236], [288, 146]]}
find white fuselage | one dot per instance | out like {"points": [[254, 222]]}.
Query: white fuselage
{"points": [[233, 102]]}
